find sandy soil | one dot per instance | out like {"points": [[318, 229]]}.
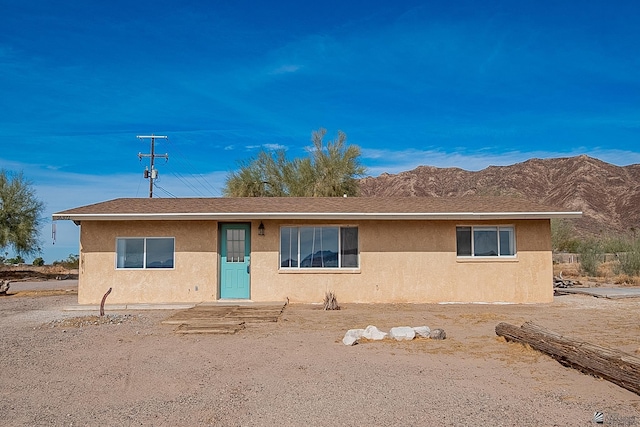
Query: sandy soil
{"points": [[132, 370]]}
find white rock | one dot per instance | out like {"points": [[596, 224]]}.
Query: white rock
{"points": [[352, 336], [422, 331], [373, 333], [401, 333]]}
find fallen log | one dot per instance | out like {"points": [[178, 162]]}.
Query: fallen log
{"points": [[561, 282], [612, 365], [4, 286]]}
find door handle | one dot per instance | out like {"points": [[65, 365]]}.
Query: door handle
{"points": [[248, 268]]}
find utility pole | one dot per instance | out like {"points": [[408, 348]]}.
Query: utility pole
{"points": [[152, 173]]}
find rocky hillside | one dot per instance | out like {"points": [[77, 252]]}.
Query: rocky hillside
{"points": [[608, 195]]}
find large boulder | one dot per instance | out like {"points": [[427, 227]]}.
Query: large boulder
{"points": [[402, 333], [352, 336], [422, 331], [373, 333]]}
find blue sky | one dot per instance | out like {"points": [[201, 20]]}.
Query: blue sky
{"points": [[459, 83]]}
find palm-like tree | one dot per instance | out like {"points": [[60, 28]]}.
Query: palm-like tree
{"points": [[329, 170]]}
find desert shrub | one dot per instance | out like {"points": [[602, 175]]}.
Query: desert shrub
{"points": [[15, 260], [616, 244], [629, 261], [71, 262], [590, 256], [563, 236], [624, 279], [38, 262], [331, 301]]}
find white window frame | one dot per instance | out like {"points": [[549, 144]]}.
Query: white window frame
{"points": [[144, 253], [487, 226], [311, 269]]}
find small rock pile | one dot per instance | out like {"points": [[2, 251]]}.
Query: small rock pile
{"points": [[78, 322], [399, 333]]}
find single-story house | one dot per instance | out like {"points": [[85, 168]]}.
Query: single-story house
{"points": [[365, 249]]}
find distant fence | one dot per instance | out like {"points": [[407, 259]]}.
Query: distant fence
{"points": [[567, 258]]}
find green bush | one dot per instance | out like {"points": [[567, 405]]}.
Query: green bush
{"points": [[16, 260], [563, 236], [616, 244], [590, 256], [72, 261], [38, 262], [629, 261]]}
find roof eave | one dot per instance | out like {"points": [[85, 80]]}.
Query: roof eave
{"points": [[316, 216]]}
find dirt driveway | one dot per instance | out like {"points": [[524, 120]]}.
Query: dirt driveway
{"points": [[136, 371]]}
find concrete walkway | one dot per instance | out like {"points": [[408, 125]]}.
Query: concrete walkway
{"points": [[43, 285], [611, 293]]}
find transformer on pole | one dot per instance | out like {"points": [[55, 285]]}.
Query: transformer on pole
{"points": [[151, 173]]}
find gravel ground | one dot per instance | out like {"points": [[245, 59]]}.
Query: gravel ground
{"points": [[63, 369]]}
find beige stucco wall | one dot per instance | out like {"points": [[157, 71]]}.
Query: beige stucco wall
{"points": [[193, 279], [413, 261], [400, 261]]}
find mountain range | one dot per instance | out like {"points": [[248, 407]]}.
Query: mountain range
{"points": [[608, 195]]}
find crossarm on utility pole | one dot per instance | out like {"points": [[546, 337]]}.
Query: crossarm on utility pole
{"points": [[152, 173]]}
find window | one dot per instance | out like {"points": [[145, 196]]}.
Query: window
{"points": [[150, 252], [485, 241], [235, 245], [319, 247]]}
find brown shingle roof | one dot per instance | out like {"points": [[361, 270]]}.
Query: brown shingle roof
{"points": [[318, 208]]}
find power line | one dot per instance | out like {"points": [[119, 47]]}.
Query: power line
{"points": [[186, 182], [166, 191], [201, 180], [139, 182], [197, 183]]}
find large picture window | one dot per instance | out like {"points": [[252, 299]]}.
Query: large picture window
{"points": [[485, 241], [147, 252], [319, 247]]}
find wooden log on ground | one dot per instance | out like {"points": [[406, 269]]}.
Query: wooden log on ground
{"points": [[612, 365], [4, 286]]}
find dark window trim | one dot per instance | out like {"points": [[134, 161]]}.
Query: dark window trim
{"points": [[340, 254], [497, 227], [144, 253]]}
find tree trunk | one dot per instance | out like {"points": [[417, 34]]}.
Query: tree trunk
{"points": [[616, 366]]}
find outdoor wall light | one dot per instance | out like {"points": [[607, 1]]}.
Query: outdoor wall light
{"points": [[261, 229]]}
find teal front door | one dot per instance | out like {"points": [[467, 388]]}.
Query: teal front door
{"points": [[235, 266]]}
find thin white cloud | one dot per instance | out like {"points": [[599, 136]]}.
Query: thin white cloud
{"points": [[271, 146], [286, 69]]}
